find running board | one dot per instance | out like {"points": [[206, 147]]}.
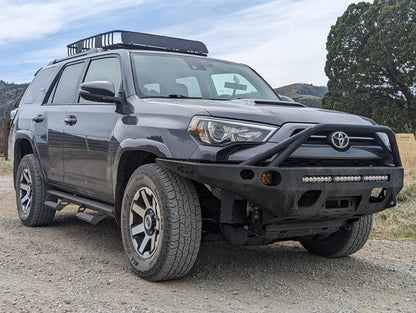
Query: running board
{"points": [[88, 203]]}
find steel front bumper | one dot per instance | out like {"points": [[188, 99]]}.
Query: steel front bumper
{"points": [[300, 194], [288, 196]]}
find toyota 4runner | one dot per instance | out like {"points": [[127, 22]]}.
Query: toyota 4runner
{"points": [[177, 146]]}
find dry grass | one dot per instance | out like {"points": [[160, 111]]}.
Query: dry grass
{"points": [[407, 147], [5, 166], [400, 221]]}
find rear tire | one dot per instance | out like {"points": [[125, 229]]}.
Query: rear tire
{"points": [[160, 223], [344, 242], [31, 194]]}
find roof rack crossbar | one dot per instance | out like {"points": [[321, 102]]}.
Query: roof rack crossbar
{"points": [[132, 40]]}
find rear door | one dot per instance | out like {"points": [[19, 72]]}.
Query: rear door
{"points": [[48, 121], [89, 135]]}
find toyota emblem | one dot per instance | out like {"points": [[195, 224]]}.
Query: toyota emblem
{"points": [[340, 140]]}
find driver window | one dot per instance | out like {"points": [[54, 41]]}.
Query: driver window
{"points": [[104, 69]]}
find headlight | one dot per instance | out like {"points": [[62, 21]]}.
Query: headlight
{"points": [[221, 132]]}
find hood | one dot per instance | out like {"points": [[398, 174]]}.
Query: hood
{"points": [[274, 113]]}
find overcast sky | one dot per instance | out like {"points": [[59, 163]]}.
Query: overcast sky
{"points": [[283, 40]]}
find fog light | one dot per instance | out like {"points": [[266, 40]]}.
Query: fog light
{"points": [[267, 178]]}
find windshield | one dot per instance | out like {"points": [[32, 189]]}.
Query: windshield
{"points": [[183, 76]]}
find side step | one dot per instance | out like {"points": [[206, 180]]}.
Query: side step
{"points": [[90, 218], [58, 206], [102, 208]]}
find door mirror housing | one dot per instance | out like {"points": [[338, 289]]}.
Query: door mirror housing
{"points": [[99, 91]]}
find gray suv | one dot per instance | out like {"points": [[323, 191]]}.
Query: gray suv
{"points": [[177, 147]]}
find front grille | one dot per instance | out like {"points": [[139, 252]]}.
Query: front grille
{"points": [[322, 139], [356, 139]]}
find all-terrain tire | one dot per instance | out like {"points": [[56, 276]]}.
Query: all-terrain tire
{"points": [[160, 223], [31, 193], [345, 242]]}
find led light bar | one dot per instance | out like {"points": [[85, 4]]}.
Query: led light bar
{"points": [[371, 178], [317, 179], [345, 179]]}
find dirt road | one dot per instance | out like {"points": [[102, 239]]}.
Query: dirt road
{"points": [[72, 266]]}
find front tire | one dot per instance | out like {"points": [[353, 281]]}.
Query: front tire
{"points": [[160, 223], [31, 193], [344, 242]]}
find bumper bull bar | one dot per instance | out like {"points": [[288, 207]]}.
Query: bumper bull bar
{"points": [[304, 193]]}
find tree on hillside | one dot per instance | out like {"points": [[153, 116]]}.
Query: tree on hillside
{"points": [[371, 63]]}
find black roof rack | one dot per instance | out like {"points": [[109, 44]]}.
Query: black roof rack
{"points": [[117, 39]]}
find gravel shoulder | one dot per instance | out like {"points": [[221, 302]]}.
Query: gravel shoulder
{"points": [[73, 266]]}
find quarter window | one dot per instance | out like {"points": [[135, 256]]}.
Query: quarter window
{"points": [[37, 89]]}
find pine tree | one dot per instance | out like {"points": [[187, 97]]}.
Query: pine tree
{"points": [[371, 63]]}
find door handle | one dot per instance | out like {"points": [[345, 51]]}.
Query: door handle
{"points": [[38, 118], [70, 120]]}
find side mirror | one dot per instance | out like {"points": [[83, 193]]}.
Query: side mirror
{"points": [[99, 91]]}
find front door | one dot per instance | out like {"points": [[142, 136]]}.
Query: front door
{"points": [[88, 133]]}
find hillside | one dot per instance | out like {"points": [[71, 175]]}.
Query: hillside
{"points": [[9, 94], [308, 95]]}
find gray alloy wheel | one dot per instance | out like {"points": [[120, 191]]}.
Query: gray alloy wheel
{"points": [[25, 191], [144, 222]]}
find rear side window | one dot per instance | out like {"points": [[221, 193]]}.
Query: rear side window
{"points": [[68, 85], [38, 87]]}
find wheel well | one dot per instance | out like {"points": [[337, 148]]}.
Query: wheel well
{"points": [[129, 162], [22, 148]]}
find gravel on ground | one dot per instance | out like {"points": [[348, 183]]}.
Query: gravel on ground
{"points": [[72, 266]]}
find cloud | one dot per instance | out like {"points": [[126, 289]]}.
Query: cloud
{"points": [[34, 19], [284, 40]]}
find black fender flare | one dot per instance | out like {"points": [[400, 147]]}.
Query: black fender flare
{"points": [[30, 137], [159, 149]]}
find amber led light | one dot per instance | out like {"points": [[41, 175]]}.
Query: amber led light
{"points": [[267, 178]]}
